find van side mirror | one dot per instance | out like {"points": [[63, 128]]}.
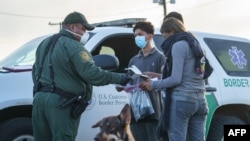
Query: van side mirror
{"points": [[106, 62]]}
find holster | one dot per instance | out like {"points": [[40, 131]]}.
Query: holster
{"points": [[78, 107], [78, 103]]}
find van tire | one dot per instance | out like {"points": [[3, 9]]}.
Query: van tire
{"points": [[17, 129], [216, 130]]}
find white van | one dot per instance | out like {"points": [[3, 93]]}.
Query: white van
{"points": [[228, 88]]}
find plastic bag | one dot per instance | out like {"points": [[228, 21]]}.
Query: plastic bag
{"points": [[141, 104]]}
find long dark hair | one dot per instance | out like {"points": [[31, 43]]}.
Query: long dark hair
{"points": [[172, 25]]}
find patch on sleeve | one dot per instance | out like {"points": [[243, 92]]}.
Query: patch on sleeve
{"points": [[84, 55]]}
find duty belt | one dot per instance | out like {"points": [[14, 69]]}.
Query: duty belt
{"points": [[57, 91]]}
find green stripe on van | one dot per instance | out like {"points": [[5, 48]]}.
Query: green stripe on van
{"points": [[212, 105]]}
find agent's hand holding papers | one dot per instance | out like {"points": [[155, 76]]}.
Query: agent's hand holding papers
{"points": [[134, 73]]}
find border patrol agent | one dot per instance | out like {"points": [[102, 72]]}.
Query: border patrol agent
{"points": [[63, 75]]}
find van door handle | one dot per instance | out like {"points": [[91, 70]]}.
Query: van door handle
{"points": [[211, 89]]}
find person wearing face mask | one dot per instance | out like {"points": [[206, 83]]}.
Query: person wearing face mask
{"points": [[149, 58], [82, 38], [64, 70]]}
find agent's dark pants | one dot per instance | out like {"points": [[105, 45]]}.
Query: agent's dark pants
{"points": [[145, 131], [50, 122]]}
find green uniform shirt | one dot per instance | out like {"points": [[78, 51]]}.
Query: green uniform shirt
{"points": [[74, 69]]}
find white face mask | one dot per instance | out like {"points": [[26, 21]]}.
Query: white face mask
{"points": [[84, 37]]}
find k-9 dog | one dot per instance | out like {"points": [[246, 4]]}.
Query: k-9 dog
{"points": [[115, 128]]}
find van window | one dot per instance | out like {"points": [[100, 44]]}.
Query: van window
{"points": [[24, 55], [121, 45], [233, 55]]}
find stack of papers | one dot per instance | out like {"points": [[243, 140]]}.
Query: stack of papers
{"points": [[137, 73]]}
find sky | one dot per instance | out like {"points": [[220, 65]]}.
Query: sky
{"points": [[22, 20]]}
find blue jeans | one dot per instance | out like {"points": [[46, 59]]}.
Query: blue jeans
{"points": [[187, 116]]}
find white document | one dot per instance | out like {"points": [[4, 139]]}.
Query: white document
{"points": [[137, 73]]}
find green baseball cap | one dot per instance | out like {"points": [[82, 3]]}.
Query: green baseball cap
{"points": [[76, 17]]}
